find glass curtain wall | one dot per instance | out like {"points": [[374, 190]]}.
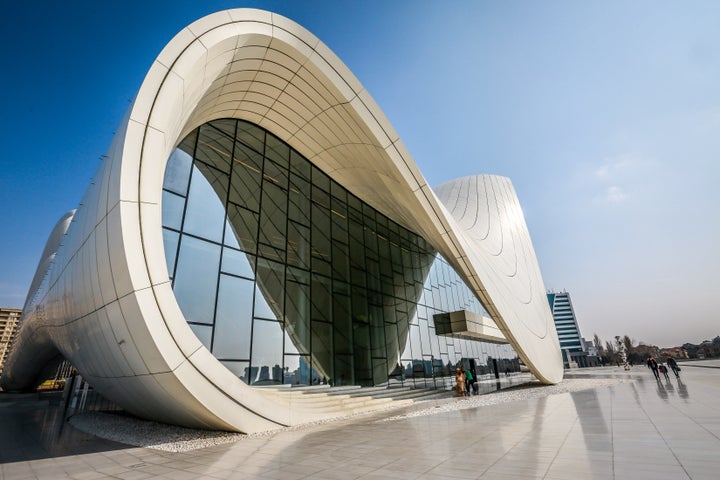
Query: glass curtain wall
{"points": [[286, 277]]}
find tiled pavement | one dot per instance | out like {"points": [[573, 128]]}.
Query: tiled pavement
{"points": [[636, 430]]}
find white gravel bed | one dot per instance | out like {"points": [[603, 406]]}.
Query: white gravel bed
{"points": [[169, 438], [143, 433], [523, 392]]}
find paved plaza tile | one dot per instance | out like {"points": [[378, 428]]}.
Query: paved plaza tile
{"points": [[634, 429]]}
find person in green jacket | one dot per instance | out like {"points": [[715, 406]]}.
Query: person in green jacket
{"points": [[470, 382]]}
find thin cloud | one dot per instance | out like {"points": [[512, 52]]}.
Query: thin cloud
{"points": [[616, 166], [615, 195], [618, 174]]}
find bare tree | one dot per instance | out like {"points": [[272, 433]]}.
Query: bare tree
{"points": [[610, 352], [598, 345], [630, 348], [629, 344]]}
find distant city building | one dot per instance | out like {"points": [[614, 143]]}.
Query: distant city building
{"points": [[645, 351], [8, 326], [589, 347], [677, 352], [571, 342]]}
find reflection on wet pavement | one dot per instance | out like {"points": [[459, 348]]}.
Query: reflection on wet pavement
{"points": [[637, 428], [33, 427]]}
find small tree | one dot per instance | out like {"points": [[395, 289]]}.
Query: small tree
{"points": [[629, 343], [610, 353], [598, 345]]}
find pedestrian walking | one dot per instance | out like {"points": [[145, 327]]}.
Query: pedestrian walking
{"points": [[470, 382], [460, 382], [664, 371], [653, 365], [674, 366]]}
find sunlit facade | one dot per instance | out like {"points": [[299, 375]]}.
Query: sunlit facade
{"points": [[258, 222]]}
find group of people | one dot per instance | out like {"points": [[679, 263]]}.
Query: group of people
{"points": [[658, 368], [465, 381]]}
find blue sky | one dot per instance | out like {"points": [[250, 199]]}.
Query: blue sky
{"points": [[605, 115]]}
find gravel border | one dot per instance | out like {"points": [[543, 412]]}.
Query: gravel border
{"points": [[143, 433], [169, 438]]}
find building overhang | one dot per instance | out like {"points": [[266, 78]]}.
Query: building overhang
{"points": [[468, 325]]}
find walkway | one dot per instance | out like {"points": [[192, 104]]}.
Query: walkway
{"points": [[637, 429]]}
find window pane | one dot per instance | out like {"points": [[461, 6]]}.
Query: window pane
{"points": [[196, 279], [297, 370], [172, 210], [246, 177], [238, 263], [342, 324], [170, 242], [344, 371], [267, 356], [361, 353], [270, 289], [243, 228], [205, 214], [214, 148], [320, 179], [392, 347], [339, 222], [380, 370], [298, 245], [377, 332], [297, 318], [177, 171], [233, 321], [225, 125], [299, 204], [299, 165], [340, 261], [276, 174], [321, 299], [277, 150], [273, 217], [203, 333], [320, 233], [322, 349], [251, 135]]}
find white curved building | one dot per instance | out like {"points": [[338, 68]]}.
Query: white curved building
{"points": [[258, 221]]}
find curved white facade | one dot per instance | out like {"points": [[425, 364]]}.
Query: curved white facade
{"points": [[106, 302]]}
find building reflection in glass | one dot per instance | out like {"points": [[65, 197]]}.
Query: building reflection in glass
{"points": [[286, 277]]}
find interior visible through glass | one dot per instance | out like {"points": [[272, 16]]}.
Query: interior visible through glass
{"points": [[287, 277]]}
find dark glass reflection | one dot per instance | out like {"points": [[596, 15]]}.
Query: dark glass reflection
{"points": [[289, 278]]}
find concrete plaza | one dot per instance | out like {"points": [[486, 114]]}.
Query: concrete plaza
{"points": [[635, 429]]}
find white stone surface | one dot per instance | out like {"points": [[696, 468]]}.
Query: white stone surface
{"points": [[169, 438]]}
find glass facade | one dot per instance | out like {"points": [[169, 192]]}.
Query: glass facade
{"points": [[286, 277]]}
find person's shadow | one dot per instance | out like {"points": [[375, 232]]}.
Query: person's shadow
{"points": [[662, 393], [669, 386], [682, 389]]}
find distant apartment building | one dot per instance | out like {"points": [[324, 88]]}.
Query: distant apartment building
{"points": [[571, 342], [676, 352], [8, 326]]}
